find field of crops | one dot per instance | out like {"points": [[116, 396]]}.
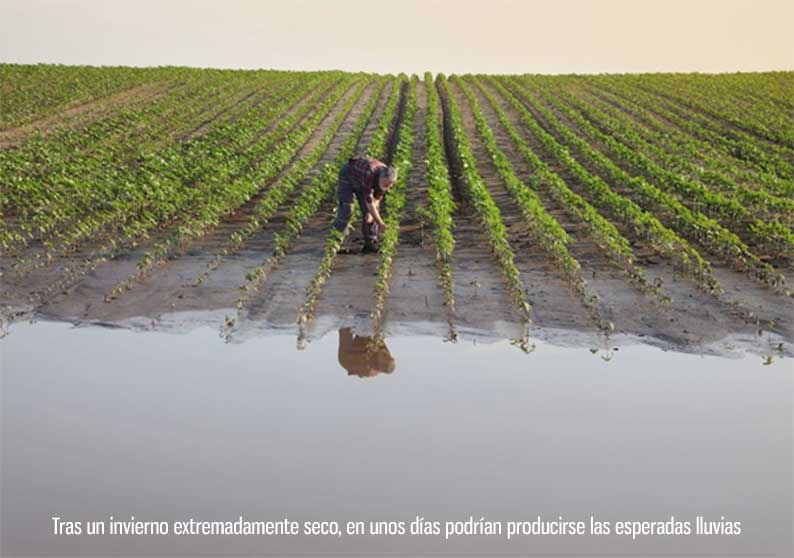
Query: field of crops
{"points": [[563, 207]]}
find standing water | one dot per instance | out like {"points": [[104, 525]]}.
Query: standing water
{"points": [[103, 422]]}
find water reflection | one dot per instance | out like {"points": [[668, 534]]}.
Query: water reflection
{"points": [[360, 357], [169, 427]]}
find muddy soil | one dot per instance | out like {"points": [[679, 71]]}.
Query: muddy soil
{"points": [[554, 305], [414, 276], [168, 287], [694, 318], [171, 300]]}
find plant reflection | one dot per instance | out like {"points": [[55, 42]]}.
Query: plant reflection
{"points": [[357, 355]]}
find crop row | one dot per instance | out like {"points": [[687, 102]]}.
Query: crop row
{"points": [[211, 98], [401, 160], [480, 199], [713, 99], [230, 149], [736, 123], [158, 189], [773, 88], [172, 167], [39, 175], [73, 179], [644, 224], [671, 166], [761, 158], [441, 205], [41, 154], [34, 91]]}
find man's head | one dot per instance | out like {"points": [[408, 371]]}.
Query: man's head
{"points": [[387, 176]]}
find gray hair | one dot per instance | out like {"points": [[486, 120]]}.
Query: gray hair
{"points": [[389, 174]]}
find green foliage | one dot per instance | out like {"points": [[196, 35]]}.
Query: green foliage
{"points": [[729, 212], [217, 198], [131, 187], [693, 224], [645, 224], [275, 196], [401, 159], [546, 231], [35, 91], [769, 167], [683, 157], [309, 202], [161, 156], [67, 181], [481, 201], [602, 231], [441, 206]]}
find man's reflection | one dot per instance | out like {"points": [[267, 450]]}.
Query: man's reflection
{"points": [[358, 357]]}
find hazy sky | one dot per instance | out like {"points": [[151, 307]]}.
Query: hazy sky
{"points": [[550, 36]]}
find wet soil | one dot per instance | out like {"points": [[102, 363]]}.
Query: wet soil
{"points": [[415, 296], [694, 318], [170, 299]]}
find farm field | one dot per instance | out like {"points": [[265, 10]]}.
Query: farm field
{"points": [[580, 210]]}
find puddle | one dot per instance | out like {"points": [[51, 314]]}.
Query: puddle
{"points": [[99, 422]]}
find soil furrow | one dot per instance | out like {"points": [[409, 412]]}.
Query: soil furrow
{"points": [[415, 297], [483, 301]]}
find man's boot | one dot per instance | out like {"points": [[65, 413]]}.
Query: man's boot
{"points": [[370, 246]]}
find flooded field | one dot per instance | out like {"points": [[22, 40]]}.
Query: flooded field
{"points": [[100, 422], [580, 305], [585, 211]]}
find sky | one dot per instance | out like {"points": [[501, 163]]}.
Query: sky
{"points": [[451, 36]]}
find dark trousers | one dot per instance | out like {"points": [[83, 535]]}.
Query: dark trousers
{"points": [[348, 192]]}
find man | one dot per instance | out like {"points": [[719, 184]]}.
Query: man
{"points": [[367, 180]]}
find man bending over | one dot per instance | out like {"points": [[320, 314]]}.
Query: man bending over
{"points": [[367, 180]]}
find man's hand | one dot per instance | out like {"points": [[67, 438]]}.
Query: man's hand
{"points": [[372, 208]]}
